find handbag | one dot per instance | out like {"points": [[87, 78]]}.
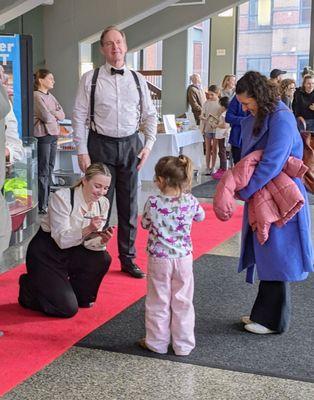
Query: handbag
{"points": [[308, 159]]}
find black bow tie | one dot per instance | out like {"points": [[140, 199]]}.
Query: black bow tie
{"points": [[117, 71]]}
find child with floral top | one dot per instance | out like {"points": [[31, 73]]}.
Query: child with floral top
{"points": [[169, 310]]}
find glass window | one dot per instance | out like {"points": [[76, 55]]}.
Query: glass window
{"points": [[273, 34], [305, 11], [260, 13], [261, 65], [197, 57]]}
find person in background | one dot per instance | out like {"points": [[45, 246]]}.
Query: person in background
{"points": [[287, 89], [14, 150], [47, 113], [303, 104], [168, 216], [5, 225], [228, 86], [209, 121], [221, 135], [196, 96], [67, 259], [234, 115], [276, 76], [271, 127], [122, 103]]}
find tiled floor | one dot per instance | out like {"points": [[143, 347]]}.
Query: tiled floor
{"points": [[93, 374]]}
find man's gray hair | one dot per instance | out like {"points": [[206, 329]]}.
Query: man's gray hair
{"points": [[108, 29]]}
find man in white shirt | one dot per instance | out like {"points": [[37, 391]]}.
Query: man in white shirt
{"points": [[121, 105]]}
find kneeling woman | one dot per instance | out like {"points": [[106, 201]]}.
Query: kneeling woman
{"points": [[67, 260]]}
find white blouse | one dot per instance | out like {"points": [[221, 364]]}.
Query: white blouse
{"points": [[66, 226]]}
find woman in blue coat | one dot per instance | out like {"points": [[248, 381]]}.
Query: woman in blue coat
{"points": [[287, 254]]}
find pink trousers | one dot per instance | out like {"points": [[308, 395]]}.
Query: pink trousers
{"points": [[169, 310]]}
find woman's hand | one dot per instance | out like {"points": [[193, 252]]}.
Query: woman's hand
{"points": [[96, 223], [107, 235]]}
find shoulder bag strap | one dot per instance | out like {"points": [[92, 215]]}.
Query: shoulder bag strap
{"points": [[92, 124], [138, 86]]}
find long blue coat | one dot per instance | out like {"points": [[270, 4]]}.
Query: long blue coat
{"points": [[287, 255]]}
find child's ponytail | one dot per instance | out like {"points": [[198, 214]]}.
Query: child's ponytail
{"points": [[188, 169]]}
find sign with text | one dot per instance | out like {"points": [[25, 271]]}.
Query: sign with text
{"points": [[10, 72]]}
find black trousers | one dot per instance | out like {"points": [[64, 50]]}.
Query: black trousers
{"points": [[236, 154], [120, 155], [272, 307], [47, 149], [58, 281]]}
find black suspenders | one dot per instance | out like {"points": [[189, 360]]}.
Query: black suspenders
{"points": [[92, 124], [138, 86]]}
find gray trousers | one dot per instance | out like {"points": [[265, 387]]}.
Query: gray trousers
{"points": [[47, 149], [120, 155]]}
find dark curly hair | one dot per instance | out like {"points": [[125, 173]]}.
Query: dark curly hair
{"points": [[255, 85]]}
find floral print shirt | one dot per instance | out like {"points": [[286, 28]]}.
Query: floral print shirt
{"points": [[169, 221]]}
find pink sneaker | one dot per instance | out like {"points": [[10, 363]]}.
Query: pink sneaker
{"points": [[217, 175]]}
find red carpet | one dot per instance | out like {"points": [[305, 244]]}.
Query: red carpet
{"points": [[33, 340]]}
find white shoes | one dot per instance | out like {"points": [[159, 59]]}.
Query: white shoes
{"points": [[246, 320], [254, 327]]}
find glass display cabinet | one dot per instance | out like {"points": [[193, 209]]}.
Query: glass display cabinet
{"points": [[21, 190]]}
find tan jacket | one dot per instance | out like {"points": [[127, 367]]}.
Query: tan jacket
{"points": [[196, 98]]}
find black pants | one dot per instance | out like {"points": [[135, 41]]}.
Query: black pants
{"points": [[236, 154], [272, 307], [120, 155], [47, 149], [58, 281]]}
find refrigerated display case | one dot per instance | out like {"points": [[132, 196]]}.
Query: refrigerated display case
{"points": [[21, 191]]}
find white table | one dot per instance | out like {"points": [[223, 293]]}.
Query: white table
{"points": [[189, 143]]}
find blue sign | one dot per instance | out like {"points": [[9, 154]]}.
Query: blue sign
{"points": [[10, 73]]}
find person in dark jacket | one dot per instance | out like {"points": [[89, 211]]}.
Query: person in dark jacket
{"points": [[234, 116], [303, 104]]}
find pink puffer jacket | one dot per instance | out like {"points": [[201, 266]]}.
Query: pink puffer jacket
{"points": [[277, 202]]}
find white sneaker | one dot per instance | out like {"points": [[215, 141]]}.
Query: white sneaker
{"points": [[245, 319], [257, 328]]}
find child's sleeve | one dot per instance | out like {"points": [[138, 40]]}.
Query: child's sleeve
{"points": [[199, 211], [146, 218]]}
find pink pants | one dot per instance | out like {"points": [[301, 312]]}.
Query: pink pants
{"points": [[169, 315]]}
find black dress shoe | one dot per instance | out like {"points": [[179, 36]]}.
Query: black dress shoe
{"points": [[133, 270]]}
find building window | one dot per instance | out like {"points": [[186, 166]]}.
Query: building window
{"points": [[302, 62], [285, 44], [261, 65], [197, 57], [260, 12], [305, 12]]}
